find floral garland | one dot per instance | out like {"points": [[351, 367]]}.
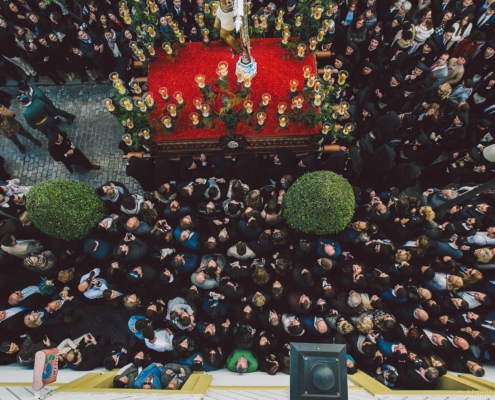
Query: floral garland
{"points": [[132, 110]]}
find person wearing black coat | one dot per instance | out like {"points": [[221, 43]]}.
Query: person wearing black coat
{"points": [[418, 379], [389, 94], [142, 170], [62, 149], [88, 355], [40, 57], [130, 249]]}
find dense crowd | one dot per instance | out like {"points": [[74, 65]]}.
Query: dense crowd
{"points": [[203, 262]]}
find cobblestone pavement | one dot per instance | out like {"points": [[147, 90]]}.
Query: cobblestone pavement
{"points": [[94, 131]]}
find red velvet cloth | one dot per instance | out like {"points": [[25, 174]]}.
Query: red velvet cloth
{"points": [[275, 70]]}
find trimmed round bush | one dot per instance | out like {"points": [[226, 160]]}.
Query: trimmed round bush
{"points": [[64, 209], [319, 203]]}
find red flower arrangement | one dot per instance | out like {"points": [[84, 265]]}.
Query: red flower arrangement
{"points": [[275, 70]]}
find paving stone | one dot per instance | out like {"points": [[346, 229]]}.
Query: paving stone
{"points": [[94, 131]]}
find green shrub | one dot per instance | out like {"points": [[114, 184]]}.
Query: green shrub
{"points": [[319, 203], [64, 209]]}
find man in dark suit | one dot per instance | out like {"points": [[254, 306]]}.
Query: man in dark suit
{"points": [[463, 8], [439, 7], [29, 297], [164, 7], [88, 355], [441, 42], [485, 19], [92, 46], [62, 149], [179, 13]]}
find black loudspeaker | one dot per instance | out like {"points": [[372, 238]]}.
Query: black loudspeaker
{"points": [[318, 371]]}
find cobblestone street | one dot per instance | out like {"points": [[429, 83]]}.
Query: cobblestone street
{"points": [[94, 131]]}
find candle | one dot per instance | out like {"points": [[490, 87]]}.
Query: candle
{"points": [[317, 86], [293, 85], [181, 37], [283, 121], [318, 11], [205, 109], [278, 27], [134, 46], [136, 88], [201, 22], [141, 56], [167, 48], [247, 81], [286, 28], [163, 92], [286, 36], [194, 118], [307, 71], [108, 103], [172, 110], [312, 44], [127, 19], [342, 77], [248, 105], [151, 50], [141, 105], [282, 107], [299, 101], [318, 99], [326, 25], [256, 20], [261, 118], [120, 88], [207, 8], [127, 139], [321, 33], [178, 97], [281, 13], [240, 77], [114, 76], [298, 19], [327, 72], [214, 7], [301, 48], [265, 99], [123, 5], [167, 122], [348, 128], [197, 102], [326, 128], [329, 11], [148, 98], [151, 31], [311, 80], [126, 103], [153, 7], [205, 35], [200, 80], [223, 67], [129, 123]]}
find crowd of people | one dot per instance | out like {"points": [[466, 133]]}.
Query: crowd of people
{"points": [[203, 262]]}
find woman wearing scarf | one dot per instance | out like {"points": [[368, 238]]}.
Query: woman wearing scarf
{"points": [[119, 60]]}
